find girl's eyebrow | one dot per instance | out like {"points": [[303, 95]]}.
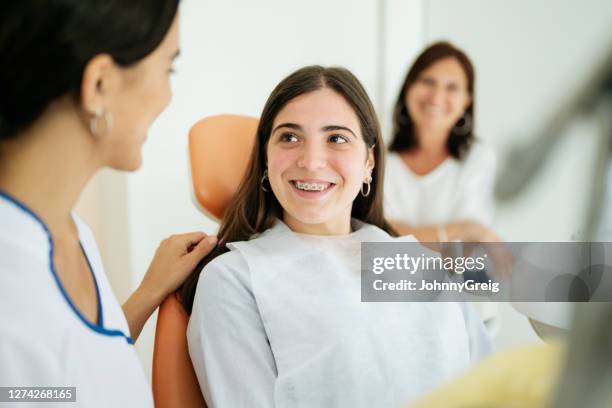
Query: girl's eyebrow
{"points": [[327, 128], [337, 127], [287, 125]]}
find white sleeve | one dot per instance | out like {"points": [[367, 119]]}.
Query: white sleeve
{"points": [[227, 339], [480, 341], [476, 201]]}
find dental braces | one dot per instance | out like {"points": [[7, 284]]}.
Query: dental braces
{"points": [[310, 186]]}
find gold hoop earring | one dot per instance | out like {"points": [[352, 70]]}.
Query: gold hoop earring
{"points": [[104, 115], [367, 183], [263, 179]]}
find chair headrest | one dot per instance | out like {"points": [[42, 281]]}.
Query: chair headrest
{"points": [[219, 152]]}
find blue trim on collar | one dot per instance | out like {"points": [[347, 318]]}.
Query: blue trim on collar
{"points": [[99, 328], [98, 298]]}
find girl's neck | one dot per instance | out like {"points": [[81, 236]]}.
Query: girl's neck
{"points": [[339, 226]]}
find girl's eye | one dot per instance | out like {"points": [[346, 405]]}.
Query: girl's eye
{"points": [[289, 137], [171, 71], [338, 139]]}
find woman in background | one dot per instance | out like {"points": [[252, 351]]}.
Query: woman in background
{"points": [[439, 181]]}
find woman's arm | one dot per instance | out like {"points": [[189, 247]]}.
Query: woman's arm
{"points": [[227, 340], [174, 260], [463, 230]]}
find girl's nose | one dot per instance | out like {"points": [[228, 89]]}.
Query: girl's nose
{"points": [[312, 157]]}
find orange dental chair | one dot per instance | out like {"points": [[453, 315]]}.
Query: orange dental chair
{"points": [[219, 151]]}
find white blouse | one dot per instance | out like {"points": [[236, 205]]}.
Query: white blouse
{"points": [[278, 321], [453, 191], [44, 340]]}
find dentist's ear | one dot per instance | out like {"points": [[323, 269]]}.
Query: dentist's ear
{"points": [[98, 82]]}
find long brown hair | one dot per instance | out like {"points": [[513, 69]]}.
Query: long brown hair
{"points": [[404, 137], [254, 210]]}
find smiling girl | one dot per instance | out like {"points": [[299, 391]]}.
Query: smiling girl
{"points": [[276, 318]]}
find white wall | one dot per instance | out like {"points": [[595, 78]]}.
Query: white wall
{"points": [[232, 55]]}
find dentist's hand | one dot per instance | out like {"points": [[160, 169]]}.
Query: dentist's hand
{"points": [[174, 260]]}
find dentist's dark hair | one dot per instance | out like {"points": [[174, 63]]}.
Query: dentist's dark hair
{"points": [[254, 210], [45, 46]]}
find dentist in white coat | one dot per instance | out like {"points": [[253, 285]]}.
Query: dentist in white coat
{"points": [[82, 81]]}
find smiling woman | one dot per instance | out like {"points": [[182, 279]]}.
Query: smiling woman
{"points": [[440, 184], [276, 317]]}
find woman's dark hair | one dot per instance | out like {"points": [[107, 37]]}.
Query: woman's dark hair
{"points": [[253, 210], [404, 137], [45, 46]]}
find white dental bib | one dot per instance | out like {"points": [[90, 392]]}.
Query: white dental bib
{"points": [[325, 347]]}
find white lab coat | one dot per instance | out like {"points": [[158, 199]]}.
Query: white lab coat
{"points": [[278, 321], [44, 340]]}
